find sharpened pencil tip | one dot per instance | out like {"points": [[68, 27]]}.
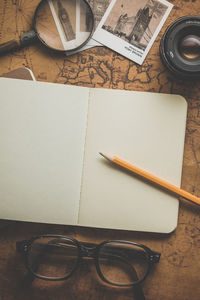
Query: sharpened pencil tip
{"points": [[106, 156]]}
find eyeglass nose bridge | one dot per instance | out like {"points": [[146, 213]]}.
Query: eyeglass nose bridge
{"points": [[86, 251]]}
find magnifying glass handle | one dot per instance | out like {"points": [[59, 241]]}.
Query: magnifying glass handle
{"points": [[9, 46], [24, 40]]}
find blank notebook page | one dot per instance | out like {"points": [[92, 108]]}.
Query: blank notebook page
{"points": [[147, 130], [42, 130]]}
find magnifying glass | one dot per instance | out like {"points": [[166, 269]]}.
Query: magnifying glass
{"points": [[61, 25]]}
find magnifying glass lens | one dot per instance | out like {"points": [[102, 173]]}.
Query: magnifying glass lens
{"points": [[64, 25]]}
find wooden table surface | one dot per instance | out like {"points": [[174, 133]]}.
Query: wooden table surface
{"points": [[177, 274]]}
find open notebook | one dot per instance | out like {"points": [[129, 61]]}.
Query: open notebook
{"points": [[50, 168]]}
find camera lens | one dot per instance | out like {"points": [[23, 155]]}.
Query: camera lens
{"points": [[180, 47], [190, 47]]}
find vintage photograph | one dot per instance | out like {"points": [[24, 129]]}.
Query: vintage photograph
{"points": [[135, 22], [98, 7], [85, 17], [66, 15], [130, 27], [73, 21]]}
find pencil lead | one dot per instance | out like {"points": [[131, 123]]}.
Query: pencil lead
{"points": [[106, 156]]}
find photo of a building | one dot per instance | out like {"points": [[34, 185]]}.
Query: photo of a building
{"points": [[135, 21]]}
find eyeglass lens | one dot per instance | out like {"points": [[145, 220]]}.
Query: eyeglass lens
{"points": [[53, 257], [64, 24], [122, 263]]}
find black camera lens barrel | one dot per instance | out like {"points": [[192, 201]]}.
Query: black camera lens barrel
{"points": [[180, 47]]}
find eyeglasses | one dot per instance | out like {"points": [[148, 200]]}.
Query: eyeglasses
{"points": [[56, 257]]}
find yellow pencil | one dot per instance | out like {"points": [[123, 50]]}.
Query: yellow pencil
{"points": [[152, 178]]}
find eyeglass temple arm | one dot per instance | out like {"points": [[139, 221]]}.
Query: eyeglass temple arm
{"points": [[22, 246], [154, 256]]}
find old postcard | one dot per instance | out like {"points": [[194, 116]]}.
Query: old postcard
{"points": [[130, 26]]}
